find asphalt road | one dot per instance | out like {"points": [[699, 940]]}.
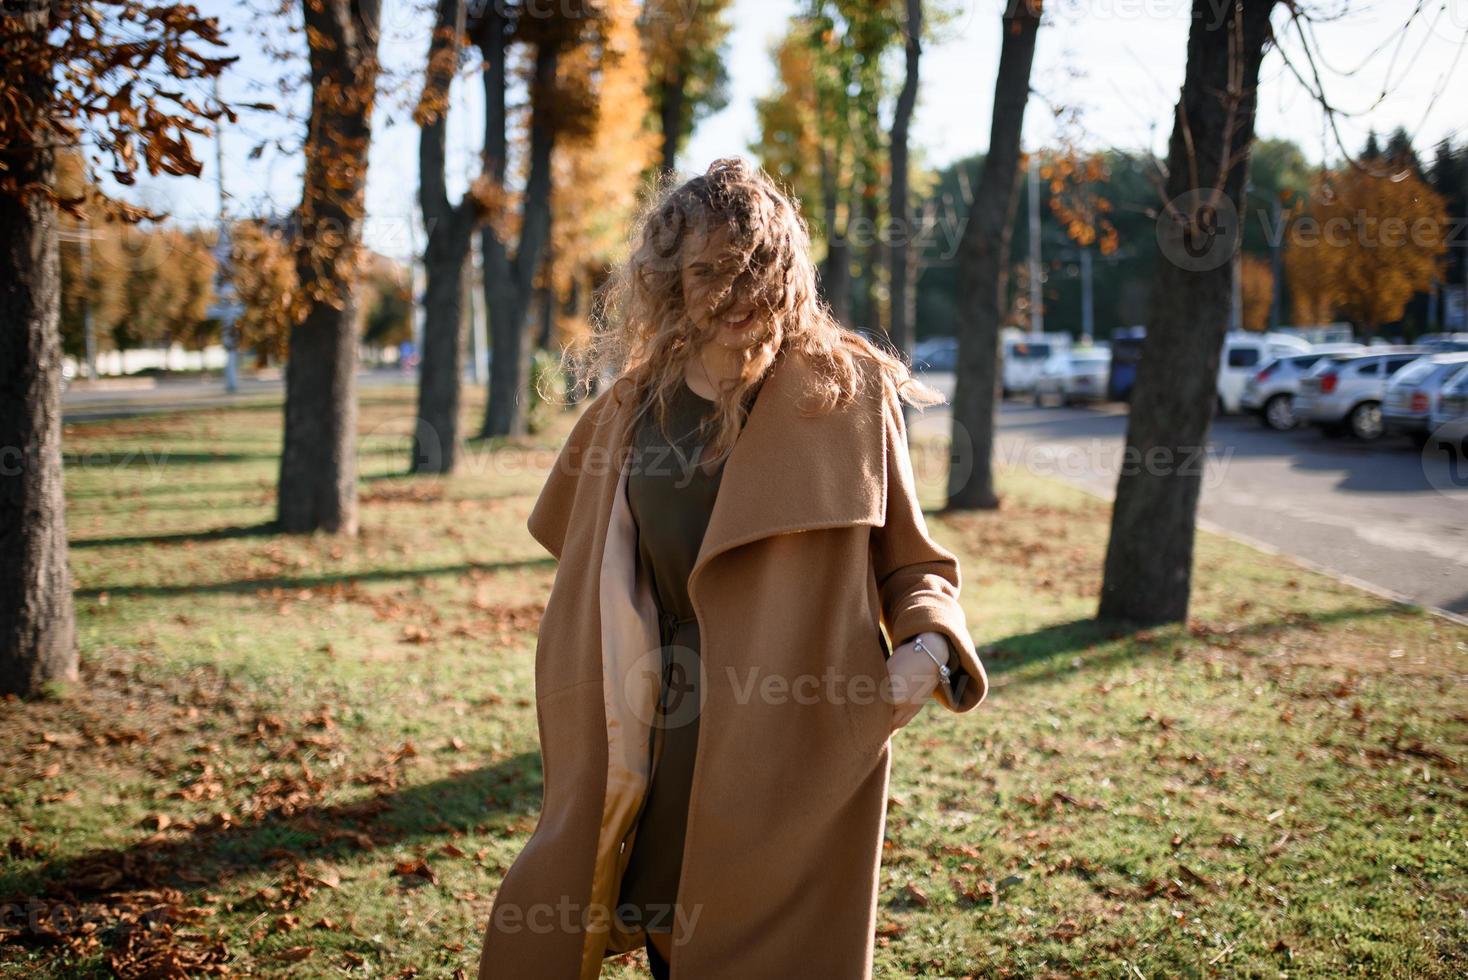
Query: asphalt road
{"points": [[1378, 513]]}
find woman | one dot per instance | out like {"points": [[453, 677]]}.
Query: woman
{"points": [[736, 524]]}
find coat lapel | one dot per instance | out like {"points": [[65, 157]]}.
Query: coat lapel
{"points": [[791, 472], [787, 472]]}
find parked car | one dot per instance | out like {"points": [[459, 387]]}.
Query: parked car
{"points": [[1337, 348], [1075, 375], [1323, 335], [1270, 393], [1448, 419], [1243, 355], [1412, 392], [1444, 343], [1025, 356], [1344, 391], [936, 354], [1452, 402]]}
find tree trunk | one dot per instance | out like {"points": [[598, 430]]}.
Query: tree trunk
{"points": [[37, 622], [871, 260], [903, 306], [441, 370], [983, 266], [445, 260], [836, 270], [545, 306], [1149, 558], [508, 282], [318, 466], [670, 114]]}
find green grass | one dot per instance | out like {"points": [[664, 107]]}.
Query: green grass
{"points": [[274, 734]]}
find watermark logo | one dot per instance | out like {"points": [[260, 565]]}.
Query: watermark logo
{"points": [[1445, 457], [1199, 230], [673, 672]]}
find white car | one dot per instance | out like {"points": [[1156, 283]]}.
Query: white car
{"points": [[1243, 355], [1270, 393], [1344, 391], [1073, 376], [1413, 392], [1025, 356]]}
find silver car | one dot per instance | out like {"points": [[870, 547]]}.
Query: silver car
{"points": [[1074, 376], [1270, 392], [1344, 391], [1449, 417], [1412, 392]]}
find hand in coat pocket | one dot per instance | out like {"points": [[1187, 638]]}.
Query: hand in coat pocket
{"points": [[912, 677]]}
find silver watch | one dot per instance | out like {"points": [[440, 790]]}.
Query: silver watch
{"points": [[943, 670]]}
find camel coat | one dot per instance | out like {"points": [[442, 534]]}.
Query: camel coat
{"points": [[815, 544]]}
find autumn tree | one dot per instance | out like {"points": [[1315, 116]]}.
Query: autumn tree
{"points": [[1256, 287], [1313, 280], [155, 285], [512, 241], [73, 75], [847, 38], [684, 49], [1075, 182], [1149, 557], [445, 261], [821, 133], [805, 139], [140, 286], [262, 270], [82, 282], [597, 173], [318, 469], [131, 284], [983, 262], [790, 143], [387, 307], [1366, 243]]}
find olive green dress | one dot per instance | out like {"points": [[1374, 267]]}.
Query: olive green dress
{"points": [[671, 498]]}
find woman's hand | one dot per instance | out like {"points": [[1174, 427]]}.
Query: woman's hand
{"points": [[914, 676]]}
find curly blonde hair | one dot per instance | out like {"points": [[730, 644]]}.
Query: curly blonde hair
{"points": [[644, 336]]}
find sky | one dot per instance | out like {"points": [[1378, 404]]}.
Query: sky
{"points": [[1117, 63]]}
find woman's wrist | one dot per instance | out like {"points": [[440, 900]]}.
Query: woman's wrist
{"points": [[937, 651]]}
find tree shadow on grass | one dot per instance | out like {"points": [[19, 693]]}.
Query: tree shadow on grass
{"points": [[104, 882], [292, 582], [1092, 644], [153, 459], [96, 417], [170, 489], [263, 529], [174, 507]]}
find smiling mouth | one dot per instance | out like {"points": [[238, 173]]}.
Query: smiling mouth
{"points": [[737, 324]]}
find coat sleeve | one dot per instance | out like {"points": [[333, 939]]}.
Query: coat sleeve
{"points": [[917, 578]]}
